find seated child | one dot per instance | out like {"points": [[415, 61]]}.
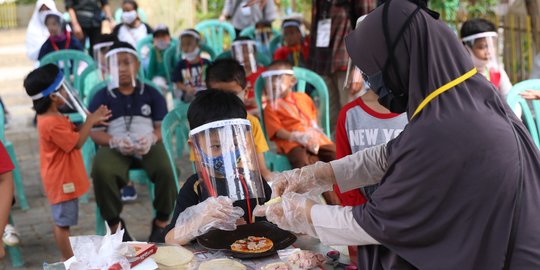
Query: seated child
{"points": [[244, 50], [229, 75], [198, 209], [156, 65], [188, 75], [263, 36], [101, 48], [132, 29], [291, 119], [59, 37], [480, 38], [62, 170], [296, 47]]}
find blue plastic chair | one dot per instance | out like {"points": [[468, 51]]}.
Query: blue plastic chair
{"points": [[14, 252], [514, 100], [213, 32], [259, 57], [118, 15], [278, 162], [17, 177]]}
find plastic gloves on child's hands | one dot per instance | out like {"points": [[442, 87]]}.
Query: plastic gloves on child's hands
{"points": [[293, 213], [313, 179], [214, 212], [308, 138], [122, 144], [144, 143]]}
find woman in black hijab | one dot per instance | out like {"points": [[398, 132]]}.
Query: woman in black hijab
{"points": [[459, 188]]}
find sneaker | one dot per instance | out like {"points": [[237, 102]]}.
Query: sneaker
{"points": [[126, 237], [10, 236], [128, 193], [156, 236]]}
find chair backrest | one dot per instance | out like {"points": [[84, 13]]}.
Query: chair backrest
{"points": [[275, 43], [515, 101], [259, 57], [213, 33], [304, 77], [144, 42], [173, 133], [250, 32], [118, 15], [71, 62]]}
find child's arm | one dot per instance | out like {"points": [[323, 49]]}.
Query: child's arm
{"points": [[283, 134], [98, 117], [185, 88], [6, 196]]}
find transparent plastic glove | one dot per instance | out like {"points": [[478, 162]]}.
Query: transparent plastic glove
{"points": [[291, 214], [214, 212], [144, 143], [308, 138], [313, 179], [123, 144]]}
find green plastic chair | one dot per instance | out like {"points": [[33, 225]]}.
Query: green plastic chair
{"points": [[174, 126], [514, 100], [213, 33], [250, 32], [118, 15], [14, 252], [275, 43], [259, 57], [17, 176], [69, 61], [277, 162]]}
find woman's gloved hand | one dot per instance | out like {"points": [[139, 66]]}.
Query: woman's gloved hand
{"points": [[313, 179], [214, 212], [293, 213]]}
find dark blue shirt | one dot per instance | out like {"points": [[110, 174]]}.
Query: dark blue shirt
{"points": [[192, 74], [47, 47]]}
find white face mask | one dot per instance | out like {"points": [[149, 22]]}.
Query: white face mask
{"points": [[129, 17], [162, 44], [192, 55]]}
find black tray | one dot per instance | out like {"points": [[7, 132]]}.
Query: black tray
{"points": [[222, 240]]}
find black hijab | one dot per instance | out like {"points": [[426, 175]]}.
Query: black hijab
{"points": [[448, 198]]}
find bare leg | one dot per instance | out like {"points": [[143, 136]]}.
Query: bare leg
{"points": [[61, 235]]}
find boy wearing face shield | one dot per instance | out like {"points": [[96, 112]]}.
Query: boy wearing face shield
{"points": [[227, 186], [188, 74], [156, 66], [59, 37], [296, 49], [132, 29], [62, 169], [132, 139], [480, 39], [101, 48], [244, 50]]}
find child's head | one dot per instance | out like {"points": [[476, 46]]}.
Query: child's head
{"points": [[479, 36], [244, 50], [44, 86], [101, 48], [189, 43], [292, 35], [227, 75], [129, 11], [210, 106], [161, 37], [285, 82], [123, 64], [263, 31], [55, 23]]}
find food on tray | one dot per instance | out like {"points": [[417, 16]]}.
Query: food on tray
{"points": [[306, 259], [274, 200], [276, 266], [222, 264], [252, 244], [173, 257]]}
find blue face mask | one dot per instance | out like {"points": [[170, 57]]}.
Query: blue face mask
{"points": [[218, 162]]}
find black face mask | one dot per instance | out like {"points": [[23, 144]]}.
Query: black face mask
{"points": [[387, 98]]}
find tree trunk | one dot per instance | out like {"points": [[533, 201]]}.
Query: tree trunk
{"points": [[533, 11]]}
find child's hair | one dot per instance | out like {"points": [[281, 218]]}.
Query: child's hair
{"points": [[106, 38], [263, 23], [131, 2], [120, 44], [214, 105], [38, 80], [190, 30], [226, 70], [282, 64], [241, 38], [161, 30], [475, 26]]}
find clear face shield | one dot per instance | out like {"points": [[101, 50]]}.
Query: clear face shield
{"points": [[63, 90], [263, 36], [354, 80], [276, 85], [226, 160], [100, 50], [123, 66], [483, 48], [244, 51]]}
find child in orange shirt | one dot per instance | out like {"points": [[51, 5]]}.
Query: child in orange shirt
{"points": [[62, 169], [291, 119]]}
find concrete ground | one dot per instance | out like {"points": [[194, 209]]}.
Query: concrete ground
{"points": [[35, 225]]}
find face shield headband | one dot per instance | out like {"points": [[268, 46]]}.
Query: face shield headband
{"points": [[55, 86]]}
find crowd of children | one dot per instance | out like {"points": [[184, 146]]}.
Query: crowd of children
{"points": [[125, 119]]}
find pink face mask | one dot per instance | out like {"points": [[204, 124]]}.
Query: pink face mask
{"points": [[59, 38]]}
